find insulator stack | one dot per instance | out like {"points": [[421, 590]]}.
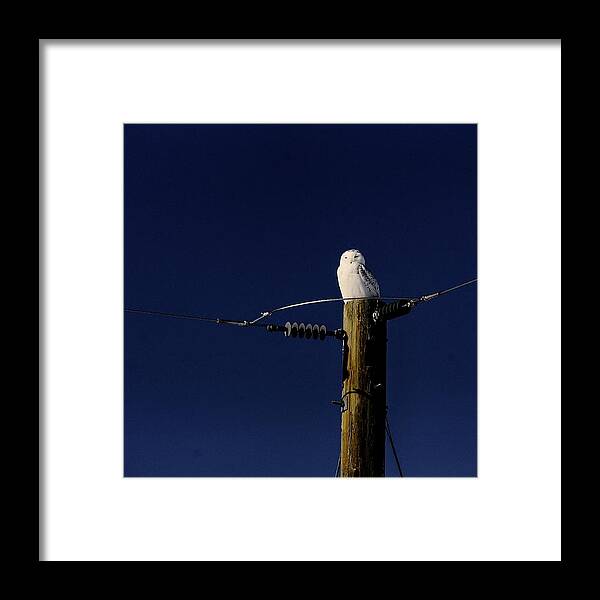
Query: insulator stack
{"points": [[306, 331], [393, 310]]}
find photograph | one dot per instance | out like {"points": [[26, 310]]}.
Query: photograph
{"points": [[290, 300], [300, 300]]}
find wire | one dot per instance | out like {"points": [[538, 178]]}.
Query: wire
{"points": [[264, 315], [389, 434], [268, 313], [413, 301], [218, 321], [441, 293]]}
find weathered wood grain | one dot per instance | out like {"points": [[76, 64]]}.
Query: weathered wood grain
{"points": [[364, 391]]}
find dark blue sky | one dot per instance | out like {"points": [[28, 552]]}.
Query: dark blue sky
{"points": [[230, 220]]}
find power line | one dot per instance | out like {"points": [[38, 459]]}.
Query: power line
{"points": [[321, 301], [389, 434], [215, 320], [441, 293], [412, 301], [263, 315]]}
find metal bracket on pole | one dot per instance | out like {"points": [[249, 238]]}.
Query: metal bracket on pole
{"points": [[343, 401], [344, 338]]}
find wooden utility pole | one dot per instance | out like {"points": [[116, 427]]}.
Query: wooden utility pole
{"points": [[364, 391]]}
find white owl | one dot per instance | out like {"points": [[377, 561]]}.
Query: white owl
{"points": [[354, 279]]}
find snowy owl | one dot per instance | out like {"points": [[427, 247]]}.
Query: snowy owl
{"points": [[355, 280]]}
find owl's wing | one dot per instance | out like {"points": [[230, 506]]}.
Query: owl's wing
{"points": [[369, 280]]}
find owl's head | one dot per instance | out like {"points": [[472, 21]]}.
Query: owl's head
{"points": [[352, 256]]}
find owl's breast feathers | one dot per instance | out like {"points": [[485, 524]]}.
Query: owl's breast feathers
{"points": [[356, 281]]}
